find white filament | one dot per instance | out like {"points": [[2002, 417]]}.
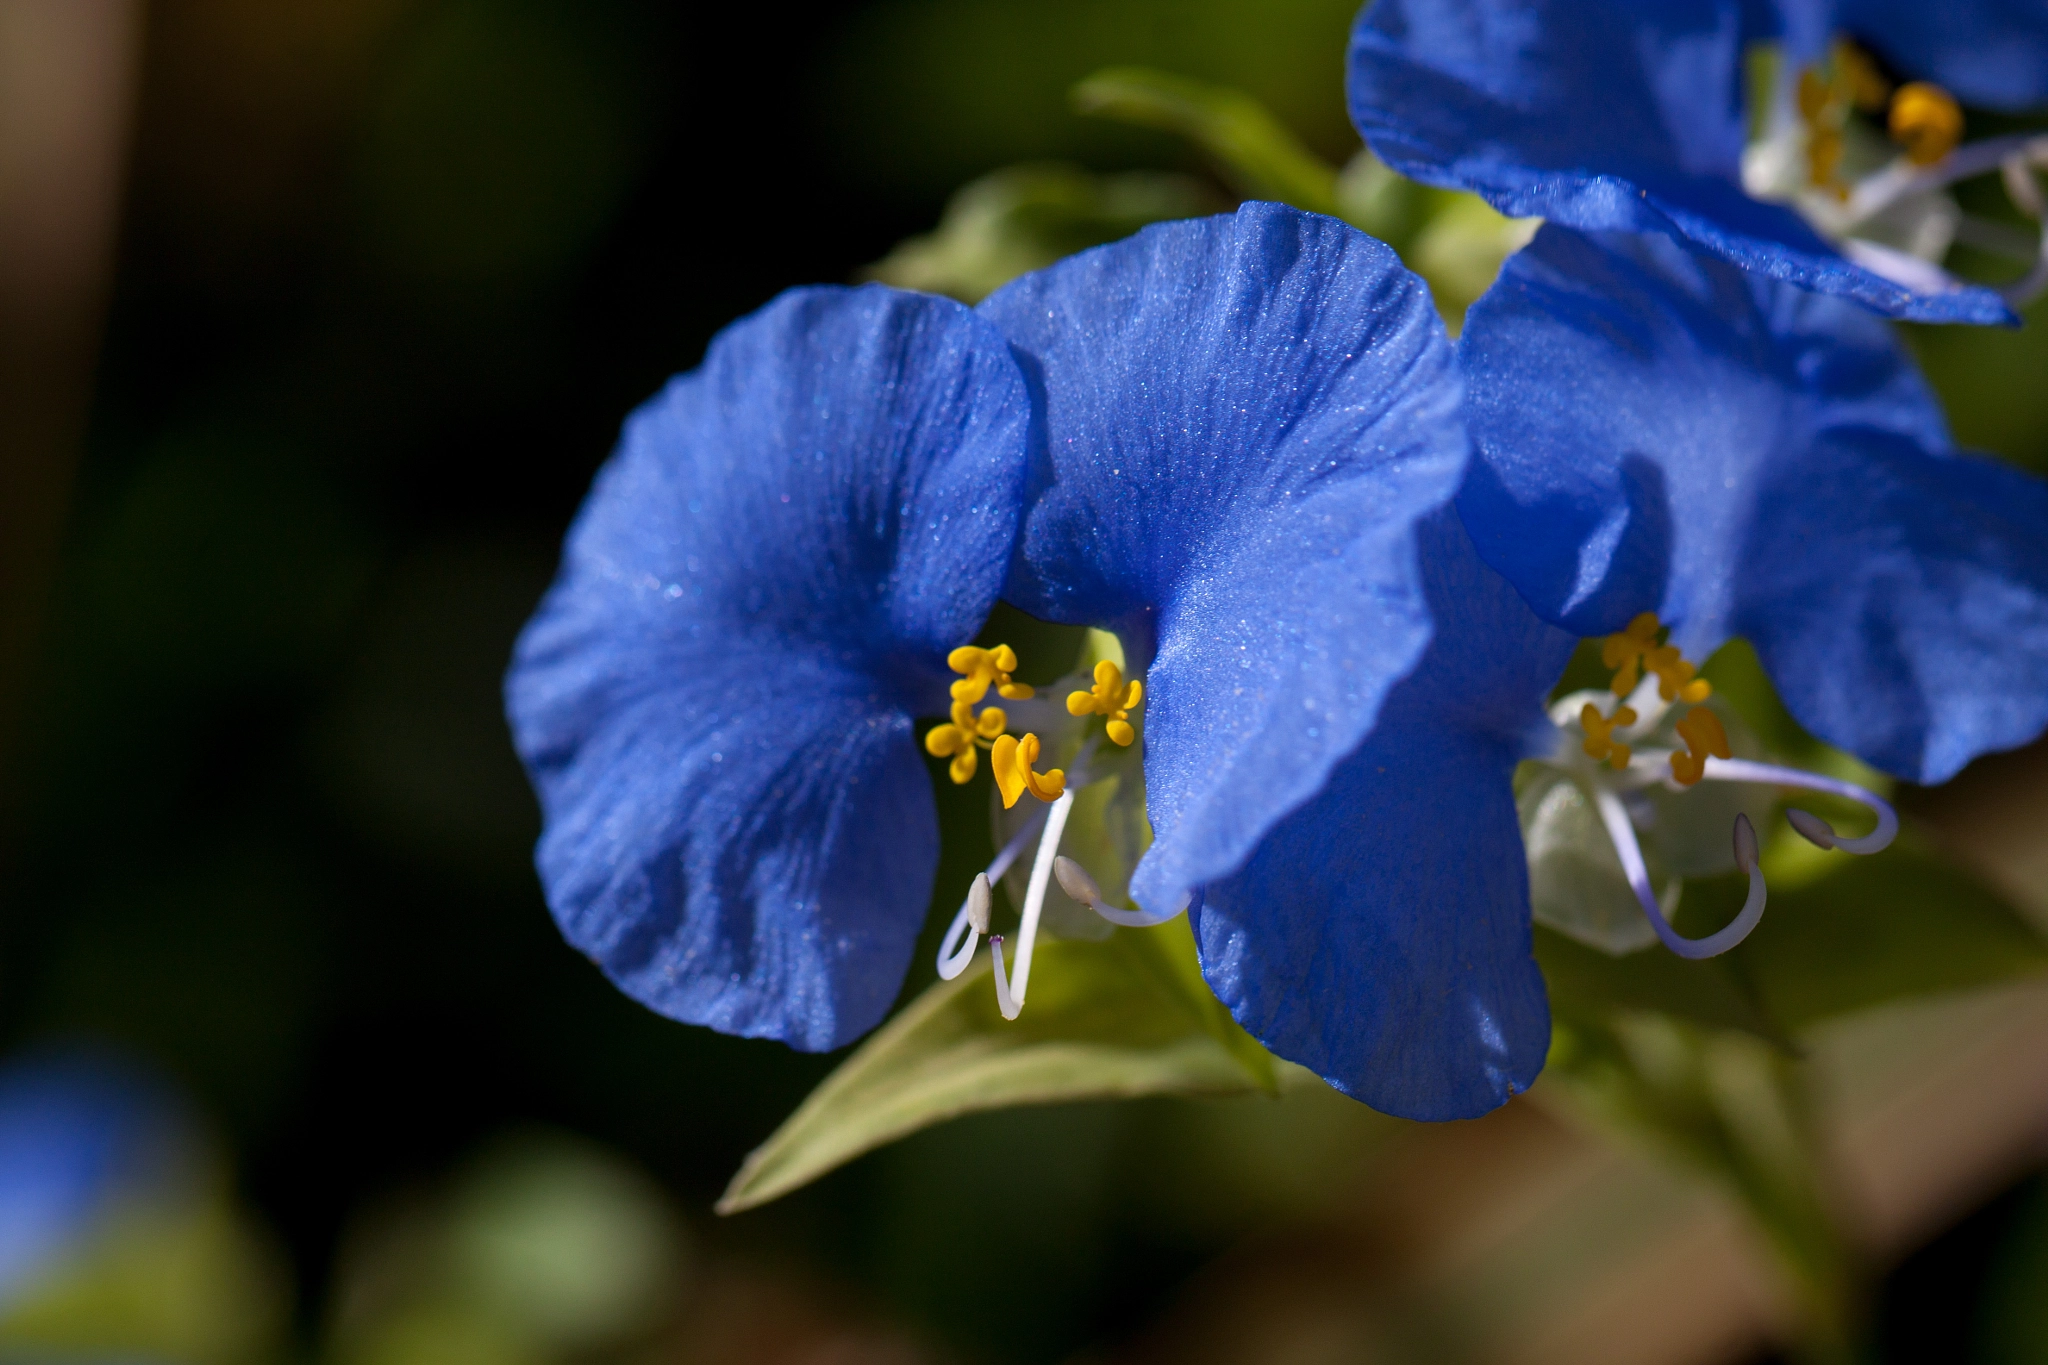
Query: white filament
{"points": [[1034, 904], [1811, 826], [1879, 192], [956, 950], [1615, 817], [1009, 1004], [1076, 882]]}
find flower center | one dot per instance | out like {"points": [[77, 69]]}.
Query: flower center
{"points": [[1012, 760], [1652, 677], [1630, 653], [1870, 166]]}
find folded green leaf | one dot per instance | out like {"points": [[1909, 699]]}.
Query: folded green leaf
{"points": [[1899, 924], [1735, 1109], [1869, 931], [1023, 218], [1257, 154], [1587, 985], [1117, 1019]]}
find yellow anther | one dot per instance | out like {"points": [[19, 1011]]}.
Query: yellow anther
{"points": [[1826, 96], [1701, 730], [1110, 697], [986, 668], [1813, 95], [1858, 75], [1624, 651], [1600, 743], [962, 735], [1824, 158], [1013, 761], [1632, 652], [1926, 121]]}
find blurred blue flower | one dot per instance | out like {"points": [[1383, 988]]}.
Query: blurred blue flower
{"points": [[1618, 115], [80, 1136], [1656, 431], [1248, 421], [715, 699], [1988, 53]]}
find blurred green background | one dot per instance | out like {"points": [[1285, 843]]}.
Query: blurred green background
{"points": [[390, 274]]}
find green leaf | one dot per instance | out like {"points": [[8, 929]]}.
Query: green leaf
{"points": [[1587, 985], [1258, 155], [1117, 1019], [1737, 1110], [1898, 924], [1022, 218], [1866, 932]]}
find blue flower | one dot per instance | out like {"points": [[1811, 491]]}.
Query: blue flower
{"points": [[1990, 53], [1657, 432], [715, 699], [80, 1137], [1620, 115], [1251, 436]]}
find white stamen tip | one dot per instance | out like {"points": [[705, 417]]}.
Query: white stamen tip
{"points": [[1745, 844], [1812, 828], [978, 903], [1075, 881]]}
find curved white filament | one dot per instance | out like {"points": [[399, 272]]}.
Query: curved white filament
{"points": [[1076, 882], [956, 950], [1742, 770], [954, 955], [1009, 1004], [2026, 287], [1615, 817], [1034, 904], [1966, 162]]}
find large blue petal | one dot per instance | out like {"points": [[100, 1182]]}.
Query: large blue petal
{"points": [[1658, 431], [757, 597], [1899, 597], [1245, 416], [1601, 115], [1380, 935], [1989, 53]]}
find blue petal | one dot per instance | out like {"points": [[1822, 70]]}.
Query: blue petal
{"points": [[1658, 431], [1601, 115], [1380, 935], [715, 698], [1245, 416], [1623, 392], [1988, 53], [1899, 597]]}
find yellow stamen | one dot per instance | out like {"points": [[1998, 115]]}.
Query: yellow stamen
{"points": [[1926, 121], [1012, 762], [1701, 730], [1827, 96], [1600, 742], [1632, 652], [1858, 74], [1110, 697], [1813, 95], [985, 668], [964, 733], [1823, 157]]}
